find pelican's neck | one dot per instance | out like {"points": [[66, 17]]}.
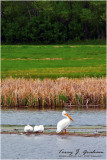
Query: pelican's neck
{"points": [[67, 118]]}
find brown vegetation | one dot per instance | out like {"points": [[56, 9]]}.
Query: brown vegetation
{"points": [[47, 92]]}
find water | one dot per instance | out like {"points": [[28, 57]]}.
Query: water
{"points": [[52, 146], [51, 117], [14, 146]]}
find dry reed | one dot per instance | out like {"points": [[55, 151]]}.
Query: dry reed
{"points": [[47, 92]]}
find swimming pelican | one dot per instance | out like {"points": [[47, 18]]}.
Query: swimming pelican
{"points": [[64, 123], [28, 128], [39, 128]]}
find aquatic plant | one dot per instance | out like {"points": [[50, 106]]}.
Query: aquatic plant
{"points": [[53, 93]]}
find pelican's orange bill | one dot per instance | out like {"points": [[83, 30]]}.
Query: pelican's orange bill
{"points": [[69, 116]]}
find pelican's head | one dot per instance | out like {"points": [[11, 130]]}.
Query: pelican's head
{"points": [[64, 113]]}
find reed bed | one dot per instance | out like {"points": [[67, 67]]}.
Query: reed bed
{"points": [[53, 93]]}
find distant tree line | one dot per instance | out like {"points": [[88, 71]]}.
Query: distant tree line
{"points": [[48, 22]]}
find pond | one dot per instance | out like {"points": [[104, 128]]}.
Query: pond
{"points": [[51, 117], [34, 146], [52, 146]]}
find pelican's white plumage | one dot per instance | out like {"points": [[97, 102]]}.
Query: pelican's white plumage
{"points": [[64, 123], [39, 128], [28, 128]]}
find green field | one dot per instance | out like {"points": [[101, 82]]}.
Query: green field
{"points": [[53, 61]]}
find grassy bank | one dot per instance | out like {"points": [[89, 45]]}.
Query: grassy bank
{"points": [[53, 61], [53, 93]]}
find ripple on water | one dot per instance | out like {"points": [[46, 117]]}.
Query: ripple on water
{"points": [[48, 117], [50, 146]]}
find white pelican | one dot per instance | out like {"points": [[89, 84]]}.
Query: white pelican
{"points": [[39, 128], [28, 128], [64, 123], [96, 132]]}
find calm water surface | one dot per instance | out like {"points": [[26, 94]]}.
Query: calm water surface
{"points": [[52, 146], [49, 117]]}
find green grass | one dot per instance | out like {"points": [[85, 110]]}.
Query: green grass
{"points": [[70, 61]]}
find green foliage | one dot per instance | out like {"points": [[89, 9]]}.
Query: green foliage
{"points": [[45, 22], [62, 98]]}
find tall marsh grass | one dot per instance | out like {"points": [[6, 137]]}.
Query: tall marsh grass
{"points": [[53, 93]]}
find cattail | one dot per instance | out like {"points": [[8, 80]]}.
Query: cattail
{"points": [[47, 92]]}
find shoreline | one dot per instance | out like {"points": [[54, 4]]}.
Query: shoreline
{"points": [[100, 107], [51, 130], [60, 134]]}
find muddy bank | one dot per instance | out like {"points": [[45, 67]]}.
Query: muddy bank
{"points": [[61, 134], [87, 131]]}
